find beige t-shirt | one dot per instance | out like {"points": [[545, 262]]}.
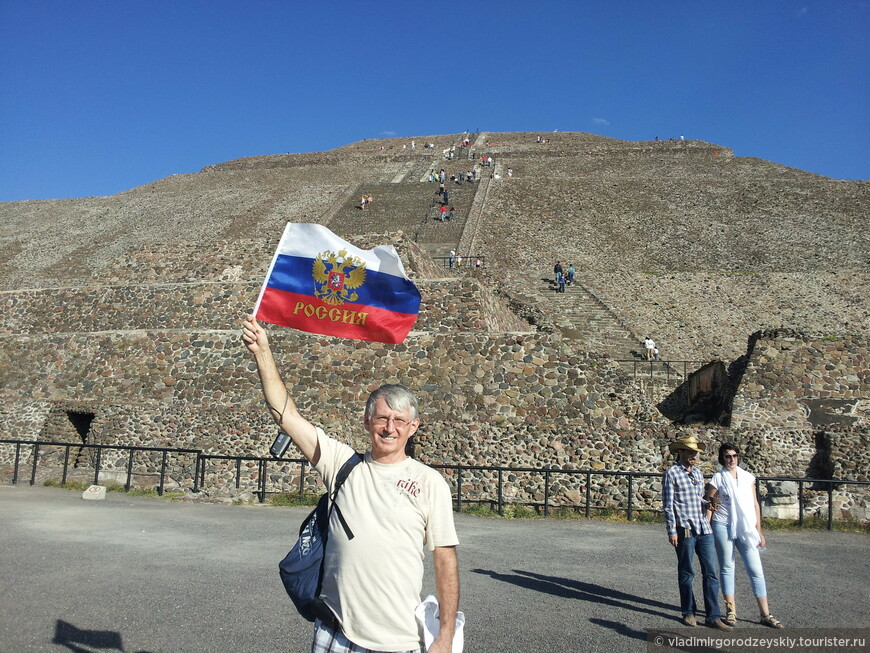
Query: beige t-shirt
{"points": [[372, 583]]}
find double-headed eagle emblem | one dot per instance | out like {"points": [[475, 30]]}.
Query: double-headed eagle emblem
{"points": [[336, 276]]}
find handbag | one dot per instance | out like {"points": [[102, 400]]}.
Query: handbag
{"points": [[301, 569]]}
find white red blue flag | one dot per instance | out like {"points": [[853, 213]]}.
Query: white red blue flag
{"points": [[320, 283]]}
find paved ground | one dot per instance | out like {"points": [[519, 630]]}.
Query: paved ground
{"points": [[145, 575]]}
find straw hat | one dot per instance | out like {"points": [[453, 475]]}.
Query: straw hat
{"points": [[687, 442]]}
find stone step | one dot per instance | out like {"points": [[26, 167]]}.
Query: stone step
{"points": [[580, 316], [393, 207], [411, 207]]}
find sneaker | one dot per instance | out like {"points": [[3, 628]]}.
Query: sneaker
{"points": [[719, 625], [689, 620]]}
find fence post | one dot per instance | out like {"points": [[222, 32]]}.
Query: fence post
{"points": [[546, 493], [262, 479], [588, 492], [65, 465], [130, 454], [801, 504], [35, 459], [830, 506], [630, 492], [758, 494], [196, 463], [97, 463], [202, 462], [500, 497], [459, 488], [17, 461], [162, 473]]}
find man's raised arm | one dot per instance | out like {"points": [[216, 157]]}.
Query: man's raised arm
{"points": [[280, 403]]}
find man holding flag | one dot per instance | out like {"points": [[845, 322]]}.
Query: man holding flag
{"points": [[393, 504]]}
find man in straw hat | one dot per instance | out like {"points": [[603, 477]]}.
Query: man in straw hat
{"points": [[689, 531]]}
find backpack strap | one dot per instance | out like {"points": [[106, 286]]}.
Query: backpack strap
{"points": [[340, 478], [345, 471]]}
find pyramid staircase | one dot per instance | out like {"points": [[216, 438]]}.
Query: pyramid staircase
{"points": [[580, 315], [410, 203]]}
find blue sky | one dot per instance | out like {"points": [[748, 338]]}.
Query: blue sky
{"points": [[99, 96]]}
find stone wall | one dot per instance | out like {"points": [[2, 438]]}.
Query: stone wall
{"points": [[802, 409], [797, 381], [518, 400], [514, 400], [162, 365], [447, 305]]}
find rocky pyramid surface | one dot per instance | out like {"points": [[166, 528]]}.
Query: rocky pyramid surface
{"points": [[680, 240]]}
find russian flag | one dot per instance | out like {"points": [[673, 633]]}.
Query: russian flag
{"points": [[320, 283]]}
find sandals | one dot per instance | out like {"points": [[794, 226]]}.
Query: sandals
{"points": [[730, 618], [770, 620]]}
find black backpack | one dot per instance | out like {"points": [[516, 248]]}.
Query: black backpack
{"points": [[302, 568]]}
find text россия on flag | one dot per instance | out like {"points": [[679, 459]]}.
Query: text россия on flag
{"points": [[322, 284]]}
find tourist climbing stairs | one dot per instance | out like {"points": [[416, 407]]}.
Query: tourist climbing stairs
{"points": [[393, 207], [437, 237], [410, 204]]}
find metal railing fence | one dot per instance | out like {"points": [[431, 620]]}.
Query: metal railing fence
{"points": [[631, 479], [262, 477], [661, 368], [131, 450], [458, 474], [469, 261]]}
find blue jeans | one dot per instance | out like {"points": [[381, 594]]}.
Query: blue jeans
{"points": [[703, 546], [751, 561]]}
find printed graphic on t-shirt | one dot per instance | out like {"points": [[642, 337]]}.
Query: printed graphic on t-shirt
{"points": [[409, 487]]}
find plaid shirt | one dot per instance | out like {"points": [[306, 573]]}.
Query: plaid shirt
{"points": [[683, 500]]}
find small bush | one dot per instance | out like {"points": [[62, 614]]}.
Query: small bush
{"points": [[112, 486], [814, 522], [292, 499], [565, 512], [478, 509], [79, 486], [509, 510], [649, 517], [151, 492], [519, 511]]}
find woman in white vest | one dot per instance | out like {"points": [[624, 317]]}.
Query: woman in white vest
{"points": [[737, 527]]}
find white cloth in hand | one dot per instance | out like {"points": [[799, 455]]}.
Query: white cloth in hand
{"points": [[429, 624]]}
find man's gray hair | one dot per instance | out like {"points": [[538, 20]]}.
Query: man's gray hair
{"points": [[397, 396]]}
